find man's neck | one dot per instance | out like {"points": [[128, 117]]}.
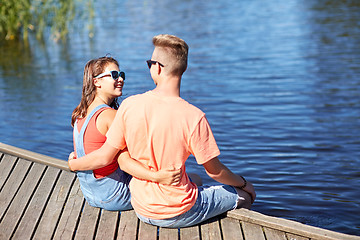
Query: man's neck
{"points": [[168, 87]]}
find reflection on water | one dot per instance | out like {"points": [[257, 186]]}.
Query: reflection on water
{"points": [[277, 80]]}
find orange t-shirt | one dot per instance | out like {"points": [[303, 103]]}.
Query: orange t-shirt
{"points": [[93, 140], [161, 133]]}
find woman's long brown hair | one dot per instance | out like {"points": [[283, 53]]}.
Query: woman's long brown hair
{"points": [[92, 68]]}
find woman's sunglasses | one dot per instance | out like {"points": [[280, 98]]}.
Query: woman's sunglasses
{"points": [[114, 74], [151, 62]]}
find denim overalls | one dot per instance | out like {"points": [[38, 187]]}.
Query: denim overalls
{"points": [[110, 192]]}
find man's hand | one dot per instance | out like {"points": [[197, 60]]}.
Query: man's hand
{"points": [[71, 157]]}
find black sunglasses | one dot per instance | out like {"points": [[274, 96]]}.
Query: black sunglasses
{"points": [[114, 74], [151, 62]]}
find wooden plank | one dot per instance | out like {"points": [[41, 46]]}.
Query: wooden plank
{"points": [[190, 233], [295, 237], [34, 157], [231, 229], [168, 233], [128, 225], [19, 181], [147, 231], [252, 231], [12, 185], [107, 225], [288, 225], [55, 206], [12, 217], [210, 229], [88, 222], [273, 234], [6, 165], [69, 218], [37, 204]]}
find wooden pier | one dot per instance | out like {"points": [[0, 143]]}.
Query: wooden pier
{"points": [[41, 199]]}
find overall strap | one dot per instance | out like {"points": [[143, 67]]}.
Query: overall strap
{"points": [[79, 136]]}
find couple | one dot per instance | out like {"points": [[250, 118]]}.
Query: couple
{"points": [[150, 136]]}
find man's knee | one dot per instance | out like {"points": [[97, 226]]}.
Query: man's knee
{"points": [[195, 178], [244, 199]]}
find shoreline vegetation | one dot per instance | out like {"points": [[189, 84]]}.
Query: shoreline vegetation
{"points": [[19, 18]]}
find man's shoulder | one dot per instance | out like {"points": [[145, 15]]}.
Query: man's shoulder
{"points": [[192, 108], [134, 98]]}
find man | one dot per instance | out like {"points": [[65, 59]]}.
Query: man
{"points": [[161, 130]]}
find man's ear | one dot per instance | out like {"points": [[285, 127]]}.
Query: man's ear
{"points": [[159, 68]]}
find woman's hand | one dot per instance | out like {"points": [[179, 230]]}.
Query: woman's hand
{"points": [[168, 176]]}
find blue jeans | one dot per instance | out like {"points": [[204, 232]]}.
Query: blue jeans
{"points": [[211, 201], [111, 192]]}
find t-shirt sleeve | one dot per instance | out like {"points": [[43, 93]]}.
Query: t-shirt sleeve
{"points": [[202, 142], [116, 133]]}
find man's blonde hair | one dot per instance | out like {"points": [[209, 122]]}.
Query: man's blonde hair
{"points": [[177, 49]]}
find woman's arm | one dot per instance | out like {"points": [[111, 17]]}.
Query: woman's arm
{"points": [[94, 160], [138, 170]]}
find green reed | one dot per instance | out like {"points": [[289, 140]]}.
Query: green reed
{"points": [[20, 17]]}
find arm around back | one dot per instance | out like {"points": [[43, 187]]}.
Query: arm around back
{"points": [[138, 170], [94, 160]]}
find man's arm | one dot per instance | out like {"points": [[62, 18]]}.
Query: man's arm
{"points": [[94, 160], [219, 172]]}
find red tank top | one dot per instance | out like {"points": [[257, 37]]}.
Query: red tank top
{"points": [[93, 140]]}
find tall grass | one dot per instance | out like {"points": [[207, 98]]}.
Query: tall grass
{"points": [[20, 17]]}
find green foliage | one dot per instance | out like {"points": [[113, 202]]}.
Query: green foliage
{"points": [[19, 17]]}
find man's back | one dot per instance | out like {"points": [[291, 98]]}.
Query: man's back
{"points": [[161, 132]]}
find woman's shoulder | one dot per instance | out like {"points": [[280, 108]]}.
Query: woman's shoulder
{"points": [[104, 119], [107, 113]]}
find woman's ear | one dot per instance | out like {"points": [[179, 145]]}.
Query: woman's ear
{"points": [[97, 82]]}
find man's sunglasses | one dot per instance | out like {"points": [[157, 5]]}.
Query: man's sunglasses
{"points": [[151, 62], [114, 74]]}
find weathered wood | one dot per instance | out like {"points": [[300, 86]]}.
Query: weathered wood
{"points": [[273, 234], [288, 225], [190, 233], [107, 225], [231, 229], [41, 202], [128, 226], [12, 185], [55, 206], [210, 230], [252, 231], [37, 204], [147, 231], [168, 233], [88, 222], [6, 165], [69, 218], [295, 237], [34, 157], [17, 207]]}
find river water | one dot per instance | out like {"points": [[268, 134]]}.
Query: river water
{"points": [[279, 81]]}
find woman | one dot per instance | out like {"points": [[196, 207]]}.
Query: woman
{"points": [[106, 187]]}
